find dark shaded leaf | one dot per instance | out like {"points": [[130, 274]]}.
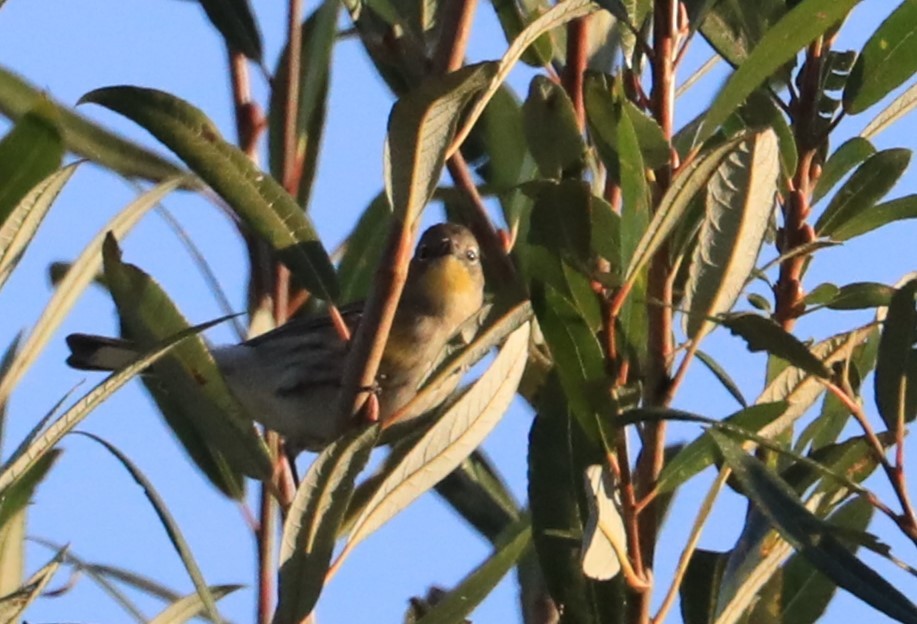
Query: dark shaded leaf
{"points": [[763, 334], [551, 129], [861, 295], [896, 368], [236, 23], [850, 154], [810, 535], [257, 198], [722, 376], [458, 603], [701, 585]]}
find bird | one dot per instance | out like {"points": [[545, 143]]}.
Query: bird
{"points": [[289, 378]]}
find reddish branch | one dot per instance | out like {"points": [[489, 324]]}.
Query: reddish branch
{"points": [[575, 70]]}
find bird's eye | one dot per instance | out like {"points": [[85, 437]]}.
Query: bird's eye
{"points": [[422, 252], [472, 255]]}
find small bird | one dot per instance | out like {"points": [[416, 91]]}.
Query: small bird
{"points": [[289, 378]]}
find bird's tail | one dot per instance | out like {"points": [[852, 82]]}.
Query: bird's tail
{"points": [[88, 352]]}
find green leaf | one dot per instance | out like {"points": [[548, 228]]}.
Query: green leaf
{"points": [[255, 197], [810, 535], [887, 60], [701, 453], [801, 388], [739, 206], [84, 137], [897, 108], [236, 22], [689, 181], [461, 601], [513, 20], [763, 334], [191, 606], [313, 521], [896, 368], [722, 376], [576, 352], [868, 184], [199, 396], [806, 592], [733, 29], [860, 295], [561, 219], [479, 494], [850, 154], [797, 28], [363, 250], [82, 272], [557, 458], [551, 129], [20, 225], [876, 216], [453, 437], [700, 587], [420, 129], [29, 153], [169, 524], [44, 443], [821, 294], [18, 495]]}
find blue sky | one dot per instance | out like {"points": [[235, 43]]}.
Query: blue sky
{"points": [[72, 47]]}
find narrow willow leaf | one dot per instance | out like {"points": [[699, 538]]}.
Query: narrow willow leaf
{"points": [[168, 523], [420, 129], [257, 198], [236, 22], [198, 393], [75, 415], [477, 492], [739, 205], [552, 130], [12, 553], [674, 203], [722, 376], [471, 590], [701, 452], [191, 606], [450, 440], [896, 368], [700, 588], [18, 495], [29, 153], [898, 108], [887, 60], [87, 138], [799, 26], [810, 535], [850, 154], [558, 15], [806, 591], [313, 521], [604, 535], [763, 334], [14, 604], [800, 388], [17, 230], [868, 184], [83, 270], [860, 295], [869, 219], [363, 249]]}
